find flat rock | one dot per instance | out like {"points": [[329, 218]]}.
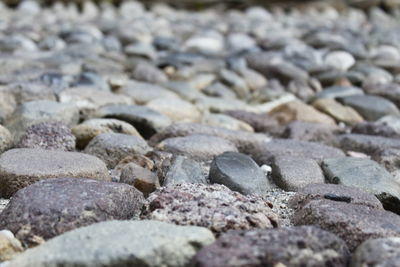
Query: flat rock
{"points": [[176, 109], [290, 246], [366, 175], [334, 192], [147, 121], [212, 206], [239, 173], [48, 135], [203, 147], [89, 129], [338, 111], [243, 140], [264, 153], [225, 121], [293, 173], [183, 170], [353, 223], [375, 128], [339, 91], [22, 167], [53, 206], [377, 252], [371, 108], [119, 243], [113, 147], [367, 144]]}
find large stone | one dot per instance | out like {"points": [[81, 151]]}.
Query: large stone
{"points": [[89, 129], [338, 111], [293, 173], [120, 243], [113, 147], [145, 120], [203, 147], [298, 111], [264, 153], [22, 167], [334, 192], [212, 206], [48, 135], [239, 173], [377, 252], [353, 223], [53, 206], [366, 175], [371, 108], [244, 141], [289, 246]]}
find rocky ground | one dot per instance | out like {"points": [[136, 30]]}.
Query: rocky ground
{"points": [[133, 136]]}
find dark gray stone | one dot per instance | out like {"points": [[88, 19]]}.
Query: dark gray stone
{"points": [[339, 91], [239, 173], [289, 246], [293, 173], [375, 128], [366, 175], [53, 206], [367, 143]]}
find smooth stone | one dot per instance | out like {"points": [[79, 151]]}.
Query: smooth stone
{"points": [[288, 246], [219, 90], [203, 147], [119, 243], [292, 173], [353, 223], [338, 111], [366, 175], [375, 129], [253, 79], [10, 247], [377, 252], [89, 129], [208, 44], [340, 60], [299, 111], [183, 170], [113, 147], [389, 91], [218, 105], [146, 72], [176, 109], [26, 92], [35, 112], [184, 89], [239, 173], [51, 207], [212, 206], [141, 178], [334, 192], [147, 121], [225, 121], [368, 144], [6, 139], [235, 82], [23, 166], [339, 91], [244, 141], [265, 152], [371, 108], [48, 135]]}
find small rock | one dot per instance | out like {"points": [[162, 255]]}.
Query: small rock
{"points": [[338, 111], [176, 109], [339, 91], [146, 72], [211, 206], [22, 167], [6, 139], [133, 243], [10, 247], [377, 252], [288, 246], [142, 179], [183, 170], [368, 144], [48, 135], [113, 147], [53, 206], [340, 60], [225, 121], [239, 173], [375, 128]]}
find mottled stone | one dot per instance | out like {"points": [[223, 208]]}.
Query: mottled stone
{"points": [[53, 206], [377, 252], [211, 206], [141, 178], [182, 170], [10, 247]]}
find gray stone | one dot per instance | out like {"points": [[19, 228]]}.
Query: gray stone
{"points": [[334, 192], [390, 91], [120, 243], [367, 143], [353, 223], [371, 108], [142, 92], [113, 147], [183, 170], [288, 246], [375, 128], [239, 173], [26, 92], [145, 120], [22, 167], [293, 173], [146, 72], [264, 153], [6, 140], [212, 206], [383, 252], [366, 175], [203, 147], [48, 135], [51, 207]]}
